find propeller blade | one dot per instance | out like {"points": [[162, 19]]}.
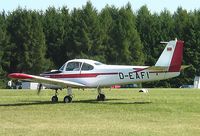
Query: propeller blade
{"points": [[39, 89]]}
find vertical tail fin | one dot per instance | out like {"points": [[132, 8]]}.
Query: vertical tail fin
{"points": [[172, 56]]}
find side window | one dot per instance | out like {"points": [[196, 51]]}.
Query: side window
{"points": [[87, 67], [73, 66]]}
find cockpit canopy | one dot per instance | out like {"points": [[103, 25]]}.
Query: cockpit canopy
{"points": [[80, 64]]}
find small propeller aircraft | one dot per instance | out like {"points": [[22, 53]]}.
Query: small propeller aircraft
{"points": [[85, 73]]}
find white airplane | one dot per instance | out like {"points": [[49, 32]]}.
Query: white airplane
{"points": [[84, 73]]}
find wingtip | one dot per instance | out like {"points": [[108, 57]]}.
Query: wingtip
{"points": [[19, 76]]}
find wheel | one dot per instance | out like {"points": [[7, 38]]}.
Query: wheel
{"points": [[101, 97], [54, 99], [98, 97], [67, 99]]}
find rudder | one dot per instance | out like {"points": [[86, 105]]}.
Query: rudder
{"points": [[172, 56]]}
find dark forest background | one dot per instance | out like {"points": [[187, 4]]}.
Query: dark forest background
{"points": [[35, 41]]}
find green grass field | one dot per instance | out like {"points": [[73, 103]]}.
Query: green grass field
{"points": [[162, 112]]}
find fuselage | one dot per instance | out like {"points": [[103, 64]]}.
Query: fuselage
{"points": [[95, 74]]}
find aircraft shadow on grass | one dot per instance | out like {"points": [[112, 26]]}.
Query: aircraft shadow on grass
{"points": [[110, 101], [107, 101]]}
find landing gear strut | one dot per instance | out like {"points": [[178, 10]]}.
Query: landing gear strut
{"points": [[100, 96], [68, 97], [54, 98]]}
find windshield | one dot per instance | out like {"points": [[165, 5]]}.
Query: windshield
{"points": [[61, 69], [73, 66]]}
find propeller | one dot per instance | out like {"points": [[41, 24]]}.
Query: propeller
{"points": [[39, 89]]}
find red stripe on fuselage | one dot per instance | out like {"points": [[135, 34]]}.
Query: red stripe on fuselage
{"points": [[77, 75]]}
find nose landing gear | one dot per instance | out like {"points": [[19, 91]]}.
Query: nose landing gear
{"points": [[67, 98]]}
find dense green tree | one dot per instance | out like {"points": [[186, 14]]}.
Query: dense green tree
{"points": [[144, 25], [181, 31], [151, 28], [107, 18], [85, 39], [3, 42], [128, 42], [123, 45], [166, 23], [66, 48], [56, 28], [193, 42], [26, 53], [2, 39]]}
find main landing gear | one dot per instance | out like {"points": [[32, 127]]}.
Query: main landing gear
{"points": [[67, 98], [100, 96], [54, 98]]}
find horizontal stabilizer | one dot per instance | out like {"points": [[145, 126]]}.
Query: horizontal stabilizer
{"points": [[185, 66], [158, 68], [165, 69]]}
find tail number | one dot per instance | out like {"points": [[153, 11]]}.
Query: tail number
{"points": [[134, 75]]}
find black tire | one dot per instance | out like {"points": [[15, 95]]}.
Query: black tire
{"points": [[101, 97], [67, 99], [98, 98], [54, 99]]}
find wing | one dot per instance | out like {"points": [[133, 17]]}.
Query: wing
{"points": [[39, 79]]}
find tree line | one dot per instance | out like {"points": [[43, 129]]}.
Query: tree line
{"points": [[33, 41]]}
